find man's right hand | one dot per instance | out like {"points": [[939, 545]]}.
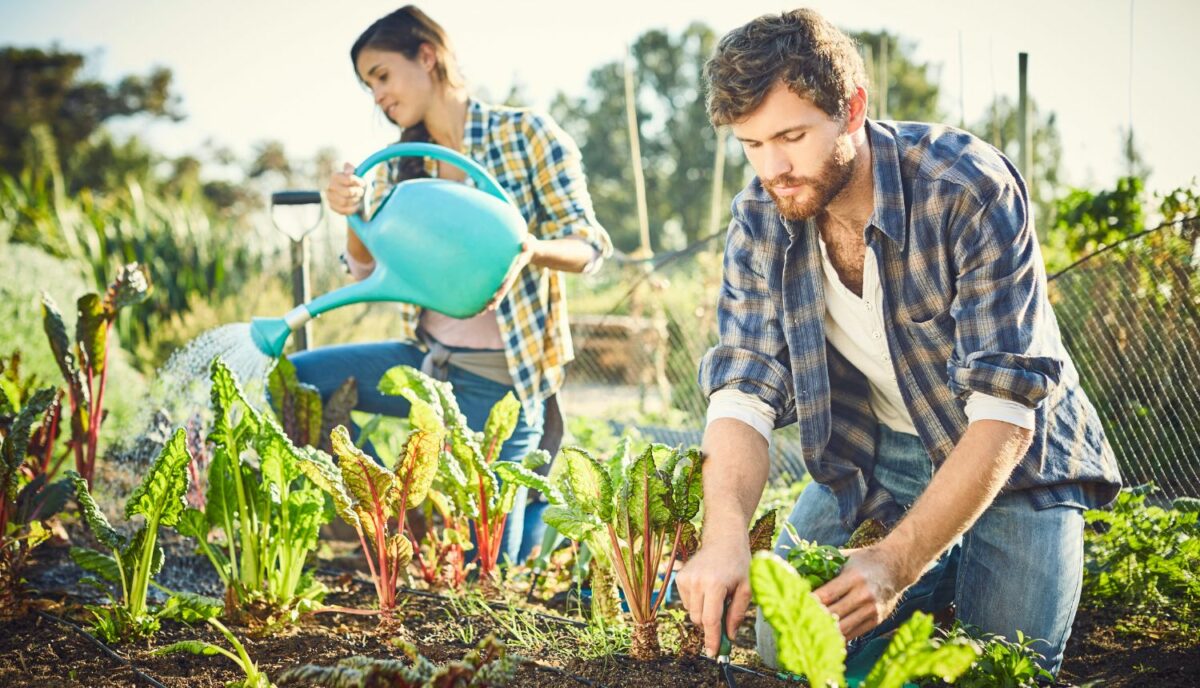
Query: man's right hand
{"points": [[345, 191], [717, 573]]}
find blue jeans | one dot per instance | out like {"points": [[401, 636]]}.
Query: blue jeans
{"points": [[1017, 568], [327, 368]]}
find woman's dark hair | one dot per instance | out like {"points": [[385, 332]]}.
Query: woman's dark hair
{"points": [[405, 31]]}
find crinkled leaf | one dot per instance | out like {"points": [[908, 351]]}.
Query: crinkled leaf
{"points": [[189, 607], [465, 446], [762, 533], [866, 534], [194, 524], [320, 469], [277, 454], [589, 483], [911, 655], [647, 497], [366, 481], [228, 401], [143, 538], [16, 442], [196, 647], [297, 405], [60, 344], [337, 411], [687, 485], [808, 641], [131, 286], [536, 459], [98, 563], [93, 516], [418, 466], [422, 415], [160, 496], [571, 523], [38, 501], [220, 499], [515, 473], [689, 540], [399, 549], [501, 422], [91, 331]]}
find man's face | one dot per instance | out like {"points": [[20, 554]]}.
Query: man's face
{"points": [[803, 157]]}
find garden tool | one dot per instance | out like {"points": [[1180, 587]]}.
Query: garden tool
{"points": [[298, 236], [438, 244]]}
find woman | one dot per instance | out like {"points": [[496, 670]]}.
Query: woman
{"points": [[521, 343]]}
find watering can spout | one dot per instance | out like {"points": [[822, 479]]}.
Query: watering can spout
{"points": [[270, 335]]}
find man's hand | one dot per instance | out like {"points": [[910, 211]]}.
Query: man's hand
{"points": [[719, 571], [867, 590]]}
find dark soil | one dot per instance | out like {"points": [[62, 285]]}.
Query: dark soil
{"points": [[35, 650]]}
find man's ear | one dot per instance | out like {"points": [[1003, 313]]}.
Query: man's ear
{"points": [[856, 116]]}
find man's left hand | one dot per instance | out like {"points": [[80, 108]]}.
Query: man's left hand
{"points": [[867, 590], [529, 249]]}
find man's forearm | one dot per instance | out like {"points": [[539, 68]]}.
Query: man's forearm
{"points": [[961, 490], [736, 466]]}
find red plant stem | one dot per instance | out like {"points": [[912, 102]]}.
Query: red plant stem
{"points": [[52, 431], [345, 610], [386, 598], [483, 536], [670, 568], [370, 564], [97, 409], [498, 539], [624, 574], [427, 573], [649, 572]]}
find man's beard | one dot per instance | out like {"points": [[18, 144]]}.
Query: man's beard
{"points": [[816, 193]]}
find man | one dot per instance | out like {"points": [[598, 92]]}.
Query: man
{"points": [[883, 287]]}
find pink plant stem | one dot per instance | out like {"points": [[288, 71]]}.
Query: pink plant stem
{"points": [[670, 569], [97, 410], [624, 575], [345, 610]]}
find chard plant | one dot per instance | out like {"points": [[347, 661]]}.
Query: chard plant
{"points": [[16, 391], [644, 509], [810, 644], [23, 507], [375, 500], [472, 481], [188, 608], [133, 562], [269, 516], [84, 362], [306, 420], [488, 665]]}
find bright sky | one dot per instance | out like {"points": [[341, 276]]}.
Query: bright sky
{"points": [[257, 69]]}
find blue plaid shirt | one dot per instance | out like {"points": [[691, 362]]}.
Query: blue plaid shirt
{"points": [[965, 304]]}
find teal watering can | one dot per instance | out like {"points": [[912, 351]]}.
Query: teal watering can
{"points": [[438, 244]]}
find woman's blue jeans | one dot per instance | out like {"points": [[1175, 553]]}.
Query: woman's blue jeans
{"points": [[327, 368], [1017, 568]]}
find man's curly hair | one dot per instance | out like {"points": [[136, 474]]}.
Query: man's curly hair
{"points": [[800, 48]]}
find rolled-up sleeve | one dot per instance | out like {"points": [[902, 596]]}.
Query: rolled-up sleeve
{"points": [[1000, 314], [751, 355], [561, 188]]}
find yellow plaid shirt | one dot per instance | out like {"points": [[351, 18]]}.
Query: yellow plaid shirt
{"points": [[540, 167]]}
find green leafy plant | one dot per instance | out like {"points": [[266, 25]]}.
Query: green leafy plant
{"points": [[23, 508], [134, 561], [489, 664], [84, 362], [809, 642], [633, 514], [478, 486], [270, 516], [375, 500], [306, 420], [1144, 558], [16, 390], [189, 608], [1002, 663]]}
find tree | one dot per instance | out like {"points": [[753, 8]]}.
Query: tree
{"points": [[911, 94], [39, 87]]}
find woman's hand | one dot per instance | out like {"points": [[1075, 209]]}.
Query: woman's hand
{"points": [[345, 191], [529, 249]]}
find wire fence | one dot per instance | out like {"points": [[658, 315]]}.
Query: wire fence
{"points": [[1129, 313]]}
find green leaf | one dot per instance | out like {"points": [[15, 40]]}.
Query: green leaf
{"points": [[571, 523], [647, 497], [16, 442], [807, 637], [227, 401], [337, 411], [194, 524], [131, 287], [60, 344], [589, 483], [91, 331], [419, 466], [277, 454], [536, 459], [320, 469], [98, 563], [160, 496], [297, 405], [93, 516], [189, 607], [762, 533], [515, 473], [196, 647], [501, 422], [367, 482], [687, 485], [38, 501], [912, 655]]}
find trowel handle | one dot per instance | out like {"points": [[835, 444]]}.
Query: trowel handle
{"points": [[483, 181]]}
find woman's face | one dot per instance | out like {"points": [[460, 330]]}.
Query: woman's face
{"points": [[402, 88]]}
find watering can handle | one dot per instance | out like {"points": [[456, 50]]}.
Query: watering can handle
{"points": [[483, 181]]}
